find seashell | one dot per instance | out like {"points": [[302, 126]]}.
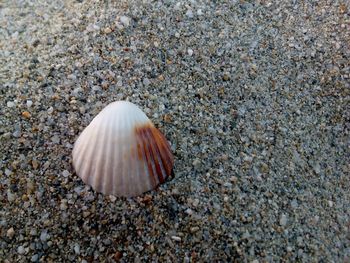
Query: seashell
{"points": [[121, 152]]}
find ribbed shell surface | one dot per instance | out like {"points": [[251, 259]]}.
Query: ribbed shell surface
{"points": [[121, 152]]}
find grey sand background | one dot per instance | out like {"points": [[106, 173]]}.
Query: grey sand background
{"points": [[252, 95]]}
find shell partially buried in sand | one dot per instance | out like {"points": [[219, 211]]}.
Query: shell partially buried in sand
{"points": [[121, 152]]}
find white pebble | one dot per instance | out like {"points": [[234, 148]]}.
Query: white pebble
{"points": [[20, 250], [77, 249], [11, 104], [146, 82], [176, 238], [199, 12], [189, 211], [29, 103], [195, 202], [125, 20], [283, 220], [65, 173], [190, 52], [112, 198], [189, 13], [55, 139], [8, 172], [10, 196], [35, 258], [50, 110], [44, 236]]}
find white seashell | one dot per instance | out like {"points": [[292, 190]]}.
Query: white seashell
{"points": [[121, 152]]}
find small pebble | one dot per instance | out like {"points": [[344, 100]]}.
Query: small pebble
{"points": [[10, 233], [35, 258], [10, 196], [125, 20], [190, 52], [189, 13], [11, 104], [146, 82], [65, 173], [29, 103], [189, 211], [44, 236], [283, 220], [107, 30], [176, 238], [20, 250], [77, 249]]}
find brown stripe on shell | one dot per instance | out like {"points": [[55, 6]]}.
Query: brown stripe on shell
{"points": [[142, 139], [155, 155], [164, 150], [148, 134]]}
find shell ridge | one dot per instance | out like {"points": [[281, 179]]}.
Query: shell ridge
{"points": [[108, 160], [144, 174], [99, 176], [153, 146], [86, 172], [164, 148], [125, 164], [147, 160], [116, 158], [79, 153]]}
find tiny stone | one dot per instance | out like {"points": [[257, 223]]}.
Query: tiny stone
{"points": [[35, 164], [195, 202], [17, 134], [199, 12], [65, 173], [283, 220], [196, 163], [35, 258], [226, 77], [125, 20], [234, 179], [10, 196], [146, 82], [10, 233], [29, 103], [189, 211], [63, 205], [112, 198], [189, 13], [8, 172], [20, 250], [77, 249], [44, 236], [107, 30], [50, 110], [330, 203], [194, 229], [190, 52], [26, 114], [294, 203], [176, 238], [33, 232], [55, 139], [11, 104]]}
